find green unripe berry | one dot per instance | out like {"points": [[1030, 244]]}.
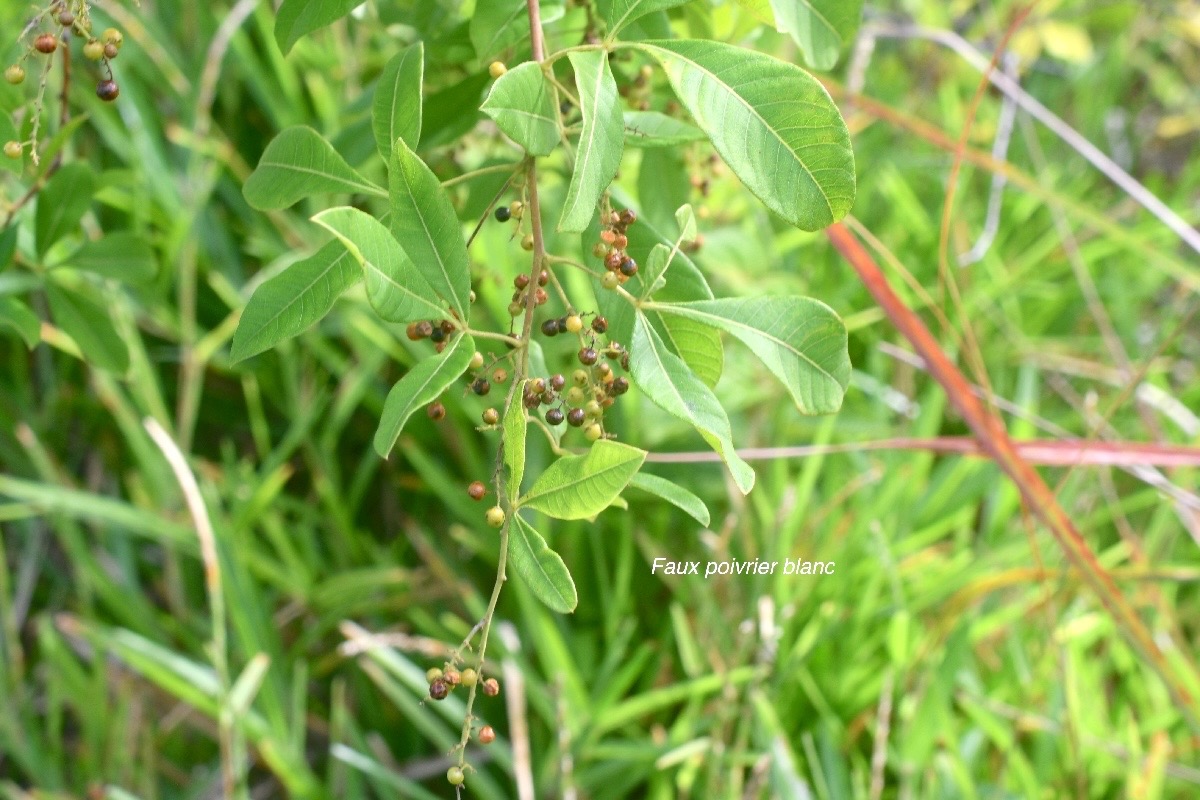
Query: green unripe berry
{"points": [[455, 776], [433, 674], [575, 396], [491, 416], [112, 36], [581, 377], [469, 677], [477, 360], [527, 242], [592, 409], [609, 280], [15, 74], [13, 150], [592, 432], [495, 516], [93, 50]]}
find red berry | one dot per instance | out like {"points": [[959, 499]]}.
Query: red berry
{"points": [[476, 490], [46, 43], [491, 687], [487, 734]]}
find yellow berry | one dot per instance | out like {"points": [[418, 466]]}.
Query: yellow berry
{"points": [[14, 74], [13, 150], [495, 516], [497, 69]]}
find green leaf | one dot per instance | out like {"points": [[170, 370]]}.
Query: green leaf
{"points": [[515, 426], [619, 13], [579, 487], [419, 387], [396, 113], [685, 217], [820, 27], [654, 129], [674, 494], [297, 164], [16, 315], [772, 122], [425, 221], [497, 25], [541, 568], [697, 344], [289, 303], [522, 104], [670, 385], [396, 289], [601, 141], [799, 339], [87, 323], [300, 17], [123, 256], [62, 203], [8, 245], [654, 269]]}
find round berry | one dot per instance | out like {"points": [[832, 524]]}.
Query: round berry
{"points": [[600, 325], [613, 260], [14, 74], [476, 490], [93, 50], [495, 516], [111, 51], [530, 400], [487, 734], [46, 43], [550, 327], [592, 432], [527, 242], [503, 214], [436, 412], [573, 324], [599, 249], [477, 360], [627, 216], [554, 416], [107, 90], [592, 410], [439, 689], [491, 687], [66, 18], [496, 69], [491, 416], [576, 417], [588, 356], [13, 150], [455, 776], [521, 281], [543, 278], [424, 329], [557, 382], [481, 386], [580, 377], [453, 677], [469, 677], [608, 237], [112, 36], [537, 385], [411, 332], [619, 386], [516, 208], [500, 375], [575, 396], [629, 268], [621, 242], [433, 674], [609, 280], [515, 309], [437, 335], [540, 297]]}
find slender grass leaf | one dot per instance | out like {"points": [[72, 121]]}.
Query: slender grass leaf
{"points": [[497, 25], [672, 386], [515, 429], [655, 129], [801, 340], [396, 289], [298, 18], [420, 386], [62, 203], [619, 13], [541, 568], [123, 256], [579, 487], [521, 102], [87, 323], [396, 111], [424, 220], [300, 296], [821, 28], [772, 122], [601, 142], [298, 163], [18, 316], [674, 494]]}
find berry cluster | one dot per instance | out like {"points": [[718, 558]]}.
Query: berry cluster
{"points": [[444, 680], [437, 331], [619, 266], [66, 18]]}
